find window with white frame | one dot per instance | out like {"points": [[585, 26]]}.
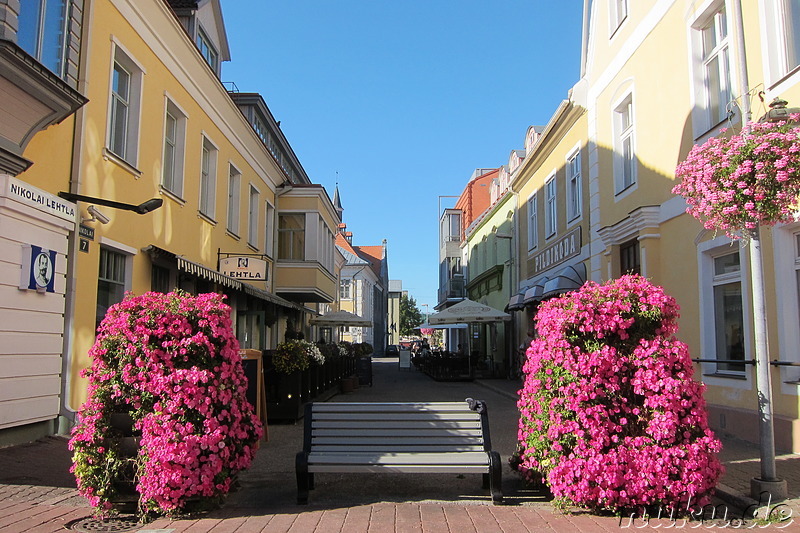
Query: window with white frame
{"points": [[716, 69], [42, 31], [345, 292], [782, 19], [292, 236], [123, 121], [234, 181], [207, 50], [619, 12], [624, 146], [574, 205], [269, 229], [208, 180], [111, 280], [252, 217], [533, 223], [728, 315], [174, 142], [550, 206]]}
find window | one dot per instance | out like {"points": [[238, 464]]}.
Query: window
{"points": [[234, 179], [345, 290], [123, 122], [619, 12], [208, 180], [782, 35], [174, 128], [624, 158], [716, 68], [159, 279], [291, 237], [269, 229], [574, 205], [533, 223], [550, 208], [252, 218], [728, 316], [42, 31], [629, 262], [110, 281], [207, 50]]}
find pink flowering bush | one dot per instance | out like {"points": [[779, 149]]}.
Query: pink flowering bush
{"points": [[743, 181], [172, 362], [610, 417]]}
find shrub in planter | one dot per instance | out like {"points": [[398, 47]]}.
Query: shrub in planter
{"points": [[291, 356], [610, 417], [172, 362]]}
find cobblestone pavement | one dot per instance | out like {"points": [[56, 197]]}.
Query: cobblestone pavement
{"points": [[37, 492]]}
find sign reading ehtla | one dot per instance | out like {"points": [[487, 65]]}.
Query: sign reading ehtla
{"points": [[247, 268], [38, 268]]}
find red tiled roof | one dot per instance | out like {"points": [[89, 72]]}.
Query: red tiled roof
{"points": [[475, 199], [373, 254]]}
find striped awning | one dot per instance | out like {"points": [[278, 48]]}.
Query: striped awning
{"points": [[202, 271]]}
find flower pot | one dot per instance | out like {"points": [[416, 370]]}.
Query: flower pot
{"points": [[348, 385]]}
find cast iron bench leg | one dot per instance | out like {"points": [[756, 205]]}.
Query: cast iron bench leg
{"points": [[301, 469], [496, 477]]}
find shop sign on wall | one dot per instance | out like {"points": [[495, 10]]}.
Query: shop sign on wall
{"points": [[246, 268], [38, 269]]}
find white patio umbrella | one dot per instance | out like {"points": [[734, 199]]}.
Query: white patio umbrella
{"points": [[468, 312], [341, 318]]}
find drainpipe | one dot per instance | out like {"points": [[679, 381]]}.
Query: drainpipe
{"points": [[66, 418], [768, 482]]}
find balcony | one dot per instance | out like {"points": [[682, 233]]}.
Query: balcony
{"points": [[454, 288]]}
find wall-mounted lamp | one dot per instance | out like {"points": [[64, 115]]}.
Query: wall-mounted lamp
{"points": [[97, 215], [142, 209]]}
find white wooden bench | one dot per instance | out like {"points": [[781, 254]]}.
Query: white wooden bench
{"points": [[436, 437]]}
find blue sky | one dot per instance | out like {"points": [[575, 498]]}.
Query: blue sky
{"points": [[404, 99]]}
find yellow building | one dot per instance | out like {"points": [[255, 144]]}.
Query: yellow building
{"points": [[174, 182], [661, 77]]}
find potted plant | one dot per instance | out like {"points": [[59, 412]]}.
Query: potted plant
{"points": [[170, 361]]}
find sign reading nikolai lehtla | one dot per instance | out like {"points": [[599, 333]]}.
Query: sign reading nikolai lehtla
{"points": [[243, 267]]}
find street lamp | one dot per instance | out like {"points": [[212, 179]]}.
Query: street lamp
{"points": [[426, 312], [142, 209]]}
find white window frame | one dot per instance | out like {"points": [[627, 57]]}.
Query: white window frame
{"points": [[779, 36], [269, 229], [252, 216], [290, 231], [172, 172], [574, 186], [234, 199], [209, 53], [786, 253], [624, 146], [45, 25], [550, 206], [130, 102], [533, 222], [617, 14], [707, 252], [209, 154], [346, 289]]}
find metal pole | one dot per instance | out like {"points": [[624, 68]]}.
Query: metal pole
{"points": [[763, 373]]}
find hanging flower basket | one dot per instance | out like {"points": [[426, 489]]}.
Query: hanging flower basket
{"points": [[743, 181]]}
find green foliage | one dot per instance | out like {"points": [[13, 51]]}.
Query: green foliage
{"points": [[410, 315]]}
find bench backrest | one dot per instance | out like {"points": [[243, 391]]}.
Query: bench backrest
{"points": [[396, 427]]}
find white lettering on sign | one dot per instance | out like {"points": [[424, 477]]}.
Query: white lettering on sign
{"points": [[40, 199], [248, 268], [563, 249]]}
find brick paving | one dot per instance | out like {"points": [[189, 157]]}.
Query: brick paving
{"points": [[37, 492]]}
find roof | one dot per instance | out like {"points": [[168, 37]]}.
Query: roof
{"points": [[372, 254]]}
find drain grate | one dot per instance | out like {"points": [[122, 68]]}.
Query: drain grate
{"points": [[109, 525]]}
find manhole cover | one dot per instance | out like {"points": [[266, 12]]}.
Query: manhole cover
{"points": [[109, 525]]}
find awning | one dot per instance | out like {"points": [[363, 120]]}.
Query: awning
{"points": [[535, 292], [516, 302], [569, 279], [201, 271], [196, 269]]}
